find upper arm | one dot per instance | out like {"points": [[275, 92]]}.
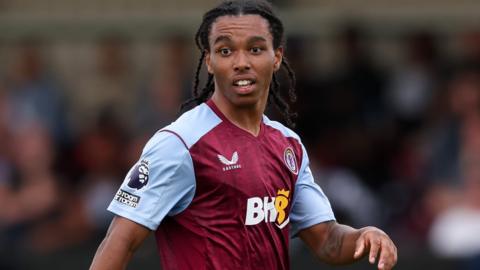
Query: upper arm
{"points": [[310, 205], [161, 183], [123, 238], [126, 233]]}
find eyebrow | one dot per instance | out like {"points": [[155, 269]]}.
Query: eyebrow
{"points": [[256, 39], [224, 38]]}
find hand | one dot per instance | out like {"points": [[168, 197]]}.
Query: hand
{"points": [[378, 242]]}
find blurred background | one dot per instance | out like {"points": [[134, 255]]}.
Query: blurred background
{"points": [[389, 108]]}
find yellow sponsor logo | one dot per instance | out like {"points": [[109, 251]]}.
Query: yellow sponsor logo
{"points": [[269, 209], [281, 203]]}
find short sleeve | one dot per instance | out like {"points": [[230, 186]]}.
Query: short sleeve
{"points": [[310, 205], [161, 183]]}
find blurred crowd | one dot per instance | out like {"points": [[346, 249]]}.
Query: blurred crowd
{"points": [[397, 146]]}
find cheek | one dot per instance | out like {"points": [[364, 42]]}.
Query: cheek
{"points": [[267, 69], [219, 69]]}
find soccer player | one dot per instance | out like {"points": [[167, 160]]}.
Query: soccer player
{"points": [[224, 187]]}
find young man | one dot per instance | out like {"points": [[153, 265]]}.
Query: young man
{"points": [[224, 187]]}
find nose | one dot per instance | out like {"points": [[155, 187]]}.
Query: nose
{"points": [[241, 62]]}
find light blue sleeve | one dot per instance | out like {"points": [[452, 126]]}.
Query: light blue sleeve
{"points": [[310, 205], [161, 183]]}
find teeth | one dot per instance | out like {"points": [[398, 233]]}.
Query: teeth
{"points": [[243, 82]]}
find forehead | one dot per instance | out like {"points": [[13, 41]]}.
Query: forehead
{"points": [[240, 26]]}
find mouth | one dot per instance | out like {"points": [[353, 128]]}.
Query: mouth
{"points": [[244, 86]]}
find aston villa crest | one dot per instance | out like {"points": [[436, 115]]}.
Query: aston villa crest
{"points": [[290, 160]]}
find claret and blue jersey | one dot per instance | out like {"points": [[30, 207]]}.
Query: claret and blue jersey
{"points": [[218, 197]]}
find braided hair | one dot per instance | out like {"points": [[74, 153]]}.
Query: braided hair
{"points": [[235, 8]]}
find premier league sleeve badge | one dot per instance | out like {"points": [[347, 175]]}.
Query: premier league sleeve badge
{"points": [[138, 176]]}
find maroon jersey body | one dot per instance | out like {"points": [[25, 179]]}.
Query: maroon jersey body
{"points": [[218, 197], [235, 170]]}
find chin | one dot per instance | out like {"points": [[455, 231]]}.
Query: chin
{"points": [[245, 101]]}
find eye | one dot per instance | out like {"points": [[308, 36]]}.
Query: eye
{"points": [[225, 51], [256, 50]]}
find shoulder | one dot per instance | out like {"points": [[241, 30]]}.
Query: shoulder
{"points": [[293, 139], [287, 132], [193, 124]]}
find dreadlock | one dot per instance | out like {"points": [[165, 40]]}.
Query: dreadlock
{"points": [[235, 8]]}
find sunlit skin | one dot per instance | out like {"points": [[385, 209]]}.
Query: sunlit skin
{"points": [[241, 47]]}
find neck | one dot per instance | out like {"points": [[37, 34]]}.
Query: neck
{"points": [[248, 117]]}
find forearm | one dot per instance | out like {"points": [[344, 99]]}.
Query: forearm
{"points": [[331, 242], [339, 245]]}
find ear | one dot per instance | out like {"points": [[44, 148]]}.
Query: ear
{"points": [[207, 61], [278, 58]]}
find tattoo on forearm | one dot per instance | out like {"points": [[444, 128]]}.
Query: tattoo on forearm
{"points": [[333, 245]]}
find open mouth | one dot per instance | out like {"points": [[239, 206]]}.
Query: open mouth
{"points": [[243, 82]]}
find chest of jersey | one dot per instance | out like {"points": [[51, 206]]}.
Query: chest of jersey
{"points": [[244, 190], [250, 179]]}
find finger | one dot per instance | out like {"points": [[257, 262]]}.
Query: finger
{"points": [[359, 248], [387, 266], [387, 256], [374, 248], [396, 254]]}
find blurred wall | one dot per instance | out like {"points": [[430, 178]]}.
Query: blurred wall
{"points": [[388, 104]]}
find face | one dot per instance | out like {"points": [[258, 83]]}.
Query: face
{"points": [[242, 60]]}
